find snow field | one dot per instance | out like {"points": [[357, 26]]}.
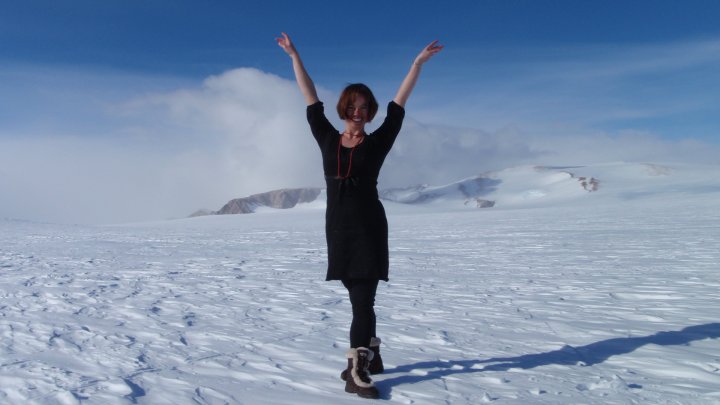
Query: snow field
{"points": [[606, 304]]}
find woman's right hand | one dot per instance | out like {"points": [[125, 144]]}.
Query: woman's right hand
{"points": [[307, 87], [287, 45]]}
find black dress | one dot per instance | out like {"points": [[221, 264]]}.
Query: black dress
{"points": [[355, 224]]}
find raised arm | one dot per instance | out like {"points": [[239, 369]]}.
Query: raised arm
{"points": [[409, 82], [307, 87]]}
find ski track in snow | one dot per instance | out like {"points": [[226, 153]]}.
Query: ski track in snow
{"points": [[606, 305]]}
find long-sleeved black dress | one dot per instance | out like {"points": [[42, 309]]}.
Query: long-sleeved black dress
{"points": [[356, 228]]}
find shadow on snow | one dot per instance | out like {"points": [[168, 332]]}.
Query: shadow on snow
{"points": [[587, 355]]}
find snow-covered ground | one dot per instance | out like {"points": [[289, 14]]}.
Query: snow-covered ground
{"points": [[609, 297]]}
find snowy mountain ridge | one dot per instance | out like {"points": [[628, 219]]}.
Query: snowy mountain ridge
{"points": [[516, 187]]}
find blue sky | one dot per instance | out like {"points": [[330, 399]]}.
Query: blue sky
{"points": [[134, 83], [491, 46], [202, 37]]}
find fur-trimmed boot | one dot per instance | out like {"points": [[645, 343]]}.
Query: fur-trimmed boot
{"points": [[358, 378], [376, 364]]}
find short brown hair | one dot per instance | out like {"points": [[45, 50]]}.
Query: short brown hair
{"points": [[348, 96]]}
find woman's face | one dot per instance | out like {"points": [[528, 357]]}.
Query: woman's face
{"points": [[356, 115]]}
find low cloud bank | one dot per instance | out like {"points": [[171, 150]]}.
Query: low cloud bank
{"points": [[167, 154]]}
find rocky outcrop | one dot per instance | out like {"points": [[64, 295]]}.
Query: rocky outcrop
{"points": [[589, 184], [480, 203], [202, 212], [281, 199]]}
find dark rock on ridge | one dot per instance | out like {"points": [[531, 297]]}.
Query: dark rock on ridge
{"points": [[282, 199]]}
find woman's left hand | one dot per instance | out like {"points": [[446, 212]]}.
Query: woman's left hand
{"points": [[428, 52], [408, 83]]}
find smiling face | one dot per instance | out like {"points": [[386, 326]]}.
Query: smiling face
{"points": [[356, 113], [357, 106]]}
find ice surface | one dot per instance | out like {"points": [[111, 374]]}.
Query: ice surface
{"points": [[598, 300]]}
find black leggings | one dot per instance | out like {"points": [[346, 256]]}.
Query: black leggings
{"points": [[362, 298]]}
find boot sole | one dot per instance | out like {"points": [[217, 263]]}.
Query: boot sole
{"points": [[361, 394]]}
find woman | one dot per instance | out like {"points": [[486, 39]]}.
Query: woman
{"points": [[355, 222]]}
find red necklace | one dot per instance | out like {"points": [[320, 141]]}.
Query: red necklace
{"points": [[347, 174]]}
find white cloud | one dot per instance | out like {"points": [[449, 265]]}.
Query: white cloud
{"points": [[252, 122], [241, 132]]}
